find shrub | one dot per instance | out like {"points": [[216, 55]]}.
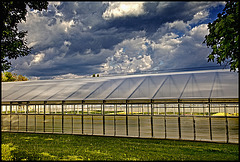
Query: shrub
{"points": [[6, 151]]}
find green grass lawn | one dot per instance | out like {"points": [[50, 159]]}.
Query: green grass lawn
{"points": [[27, 146]]}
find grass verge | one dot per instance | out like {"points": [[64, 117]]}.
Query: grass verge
{"points": [[48, 147]]}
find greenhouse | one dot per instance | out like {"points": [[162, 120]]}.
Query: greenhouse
{"points": [[192, 105]]}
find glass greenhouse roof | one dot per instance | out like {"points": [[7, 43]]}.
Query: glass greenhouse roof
{"points": [[178, 85]]}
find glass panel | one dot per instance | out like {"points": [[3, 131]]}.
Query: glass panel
{"points": [[121, 109], [202, 128], [145, 126], [22, 123], [172, 127], [78, 109], [14, 123], [148, 87], [158, 127], [187, 131], [158, 109], [217, 110], [34, 92], [233, 128], [39, 123], [225, 85], [14, 109], [31, 109], [218, 129], [110, 109], [120, 125], [56, 109], [9, 88], [133, 126], [139, 109], [98, 125], [104, 90], [18, 93], [69, 109], [232, 110], [95, 109], [58, 123], [126, 88], [199, 85], [171, 109], [77, 124], [84, 91], [48, 92], [87, 125], [48, 123], [31, 123], [109, 125], [6, 122], [172, 87], [67, 124], [66, 91]]}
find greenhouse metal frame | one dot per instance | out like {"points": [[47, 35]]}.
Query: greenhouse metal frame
{"points": [[195, 105]]}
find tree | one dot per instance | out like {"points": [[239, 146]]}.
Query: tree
{"points": [[9, 77], [223, 36], [13, 44]]}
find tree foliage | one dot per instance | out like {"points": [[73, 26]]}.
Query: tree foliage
{"points": [[9, 77], [223, 36], [13, 44]]}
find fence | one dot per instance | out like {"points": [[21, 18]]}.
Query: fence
{"points": [[217, 122]]}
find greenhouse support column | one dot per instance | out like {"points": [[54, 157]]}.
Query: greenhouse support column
{"points": [[210, 122], [151, 118], [44, 112], [103, 112], [138, 126], [35, 120], [10, 116], [114, 118], [126, 119], [226, 119], [62, 116], [18, 116], [51, 112], [194, 129], [179, 120], [165, 122], [27, 116], [82, 117], [92, 125]]}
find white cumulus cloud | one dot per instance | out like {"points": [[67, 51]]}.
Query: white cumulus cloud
{"points": [[121, 9]]}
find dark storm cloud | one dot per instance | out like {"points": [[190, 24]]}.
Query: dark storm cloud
{"points": [[80, 37]]}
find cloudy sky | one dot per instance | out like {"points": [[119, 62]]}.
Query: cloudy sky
{"points": [[75, 39]]}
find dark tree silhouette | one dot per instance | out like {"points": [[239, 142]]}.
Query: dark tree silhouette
{"points": [[13, 44], [223, 36]]}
